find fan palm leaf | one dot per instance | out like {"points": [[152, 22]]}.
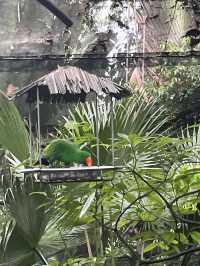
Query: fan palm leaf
{"points": [[133, 115], [56, 239], [34, 231], [26, 203]]}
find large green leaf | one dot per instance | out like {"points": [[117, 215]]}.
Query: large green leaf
{"points": [[19, 251], [29, 209], [27, 204], [35, 230], [13, 134]]}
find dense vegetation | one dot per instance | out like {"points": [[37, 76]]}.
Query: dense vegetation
{"points": [[147, 214]]}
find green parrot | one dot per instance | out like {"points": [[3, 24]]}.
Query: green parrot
{"points": [[62, 150]]}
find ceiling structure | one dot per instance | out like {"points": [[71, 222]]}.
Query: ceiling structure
{"points": [[99, 29], [35, 39]]}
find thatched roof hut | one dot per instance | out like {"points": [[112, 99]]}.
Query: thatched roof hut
{"points": [[70, 84]]}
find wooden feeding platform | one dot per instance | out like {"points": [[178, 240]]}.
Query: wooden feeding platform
{"points": [[71, 174]]}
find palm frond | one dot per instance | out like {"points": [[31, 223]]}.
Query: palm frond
{"points": [[55, 239], [191, 143], [13, 134], [139, 116], [26, 204], [5, 235], [133, 115], [14, 250]]}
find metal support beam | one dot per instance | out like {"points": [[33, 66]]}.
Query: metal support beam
{"points": [[112, 131], [97, 131], [38, 125], [30, 133], [136, 55], [49, 62], [57, 12]]}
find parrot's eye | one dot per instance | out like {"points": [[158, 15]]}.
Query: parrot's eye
{"points": [[88, 161]]}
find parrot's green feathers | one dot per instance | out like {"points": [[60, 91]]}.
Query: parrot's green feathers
{"points": [[62, 150]]}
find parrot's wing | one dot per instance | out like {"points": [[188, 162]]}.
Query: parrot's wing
{"points": [[62, 150]]}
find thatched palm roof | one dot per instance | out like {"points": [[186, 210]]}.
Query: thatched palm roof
{"points": [[70, 84]]}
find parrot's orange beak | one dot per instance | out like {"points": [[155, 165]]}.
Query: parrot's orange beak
{"points": [[89, 161]]}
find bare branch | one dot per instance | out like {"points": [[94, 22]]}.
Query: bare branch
{"points": [[184, 195], [180, 254], [129, 206]]}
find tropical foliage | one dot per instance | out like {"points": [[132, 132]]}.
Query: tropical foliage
{"points": [[148, 213], [147, 205], [177, 83]]}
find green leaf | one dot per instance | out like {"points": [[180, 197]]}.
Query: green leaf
{"points": [[184, 239], [13, 133], [30, 218], [130, 196], [175, 242], [156, 199], [147, 216], [150, 247], [168, 236], [149, 235], [135, 139], [87, 204], [163, 246], [196, 236], [123, 136]]}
